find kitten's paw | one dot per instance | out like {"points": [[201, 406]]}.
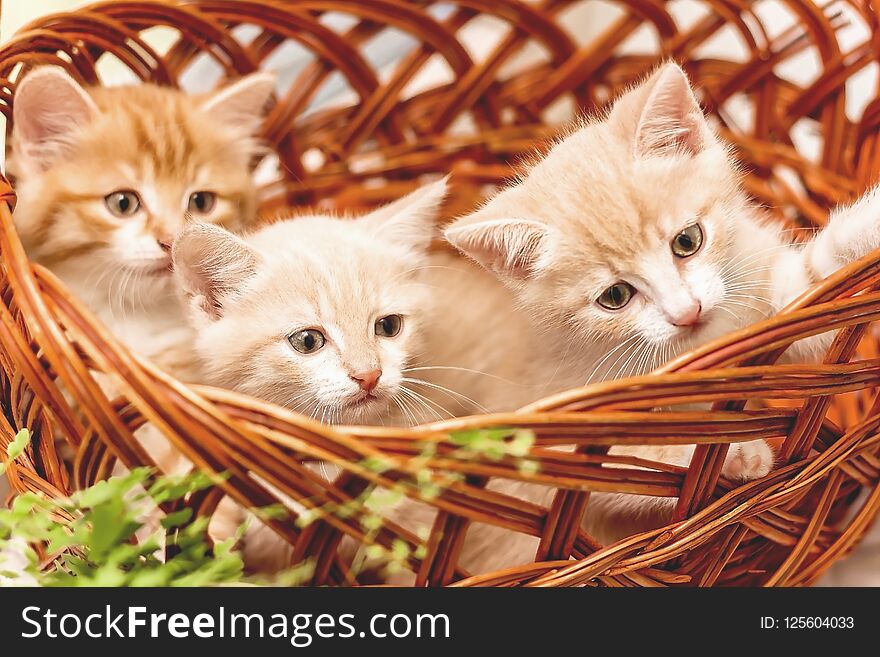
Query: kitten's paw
{"points": [[747, 461]]}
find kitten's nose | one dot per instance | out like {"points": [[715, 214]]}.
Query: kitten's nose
{"points": [[166, 243], [367, 380], [690, 316]]}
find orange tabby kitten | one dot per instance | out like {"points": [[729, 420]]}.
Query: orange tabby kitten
{"points": [[107, 177]]}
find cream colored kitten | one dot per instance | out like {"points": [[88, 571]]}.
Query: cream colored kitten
{"points": [[353, 321], [338, 318], [633, 242], [107, 177]]}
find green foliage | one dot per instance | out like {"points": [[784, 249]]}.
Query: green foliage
{"points": [[101, 536], [98, 537], [16, 447], [91, 536], [375, 504], [494, 444]]}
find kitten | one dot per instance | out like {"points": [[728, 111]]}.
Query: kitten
{"points": [[334, 318], [633, 242], [107, 177], [354, 322]]}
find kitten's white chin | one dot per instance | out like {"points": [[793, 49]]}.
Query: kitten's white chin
{"points": [[363, 409], [711, 327]]}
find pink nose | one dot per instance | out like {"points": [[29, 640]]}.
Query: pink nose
{"points": [[166, 243], [690, 316], [367, 380]]}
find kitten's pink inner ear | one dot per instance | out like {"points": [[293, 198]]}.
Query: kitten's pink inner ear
{"points": [[242, 104], [671, 120], [512, 248], [49, 105], [211, 263]]}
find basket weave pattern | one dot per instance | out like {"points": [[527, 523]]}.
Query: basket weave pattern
{"points": [[371, 146]]}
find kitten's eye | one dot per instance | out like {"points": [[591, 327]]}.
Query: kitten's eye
{"points": [[688, 241], [389, 326], [201, 202], [616, 296], [123, 203], [307, 342]]}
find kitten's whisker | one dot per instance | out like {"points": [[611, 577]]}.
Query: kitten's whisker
{"points": [[756, 297], [427, 403], [313, 412], [412, 409], [632, 362], [300, 395], [419, 408], [616, 372], [294, 403], [742, 304], [610, 354], [613, 371], [111, 301], [410, 405], [136, 278], [102, 273], [648, 360], [729, 312], [753, 255], [624, 371], [743, 286], [323, 467], [407, 417], [120, 293], [448, 391], [458, 369], [747, 277]]}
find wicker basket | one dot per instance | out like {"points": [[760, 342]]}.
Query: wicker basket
{"points": [[373, 145]]}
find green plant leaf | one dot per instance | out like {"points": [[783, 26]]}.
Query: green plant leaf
{"points": [[177, 518], [17, 446]]}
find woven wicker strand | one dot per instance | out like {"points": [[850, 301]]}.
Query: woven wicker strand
{"points": [[372, 145]]}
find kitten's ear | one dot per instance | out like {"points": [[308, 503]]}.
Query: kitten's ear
{"points": [[513, 248], [662, 116], [410, 221], [49, 107], [242, 104], [210, 263]]}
